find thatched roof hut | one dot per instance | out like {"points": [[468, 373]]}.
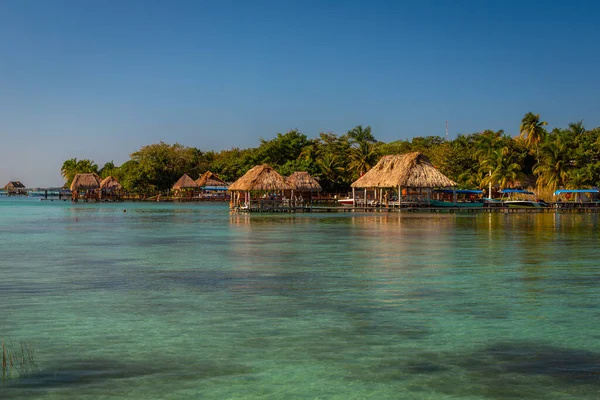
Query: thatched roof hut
{"points": [[411, 170], [261, 178], [111, 184], [210, 179], [86, 182], [302, 182], [185, 182], [14, 185]]}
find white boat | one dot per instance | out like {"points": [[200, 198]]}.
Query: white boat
{"points": [[518, 198]]}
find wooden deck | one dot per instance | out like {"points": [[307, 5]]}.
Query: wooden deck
{"points": [[452, 210]]}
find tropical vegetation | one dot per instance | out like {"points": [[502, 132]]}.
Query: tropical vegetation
{"points": [[561, 158]]}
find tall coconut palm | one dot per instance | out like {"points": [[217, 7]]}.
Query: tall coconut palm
{"points": [[362, 157], [504, 170], [486, 144], [359, 134], [330, 166], [532, 132], [553, 166], [69, 169]]}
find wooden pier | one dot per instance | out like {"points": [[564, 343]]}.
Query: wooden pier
{"points": [[409, 209]]}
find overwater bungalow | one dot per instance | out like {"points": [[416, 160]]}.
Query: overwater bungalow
{"points": [[111, 189], [185, 188], [85, 186], [211, 186], [260, 189], [411, 174], [15, 188], [304, 186]]}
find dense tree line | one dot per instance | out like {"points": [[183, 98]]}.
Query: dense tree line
{"points": [[568, 158]]}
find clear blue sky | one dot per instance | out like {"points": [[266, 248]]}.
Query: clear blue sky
{"points": [[99, 79]]}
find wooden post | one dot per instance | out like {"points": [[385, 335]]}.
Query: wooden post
{"points": [[399, 196], [353, 198]]}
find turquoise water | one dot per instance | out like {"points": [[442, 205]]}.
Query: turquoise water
{"points": [[182, 301]]}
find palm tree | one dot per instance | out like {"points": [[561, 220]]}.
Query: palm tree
{"points": [[487, 143], [504, 170], [552, 167], [362, 157], [577, 128], [330, 167], [532, 132], [359, 134], [69, 170]]}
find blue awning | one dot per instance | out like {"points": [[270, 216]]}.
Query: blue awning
{"points": [[563, 191]]}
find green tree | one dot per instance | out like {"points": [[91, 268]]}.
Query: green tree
{"points": [[504, 170], [553, 166], [359, 134], [107, 170], [69, 170], [161, 164], [532, 132]]}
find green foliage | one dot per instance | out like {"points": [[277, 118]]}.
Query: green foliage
{"points": [[563, 158], [160, 165], [72, 167]]}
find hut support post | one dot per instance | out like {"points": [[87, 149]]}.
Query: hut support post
{"points": [[399, 196], [454, 196], [353, 198], [365, 205]]}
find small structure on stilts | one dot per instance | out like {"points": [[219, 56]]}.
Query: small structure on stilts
{"points": [[15, 188], [111, 189], [212, 187], [304, 186], [85, 186], [411, 174], [260, 189], [185, 188]]}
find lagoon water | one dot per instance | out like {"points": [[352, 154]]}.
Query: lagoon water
{"points": [[185, 301]]}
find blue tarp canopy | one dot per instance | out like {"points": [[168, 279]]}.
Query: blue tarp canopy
{"points": [[563, 191], [516, 191], [460, 191]]}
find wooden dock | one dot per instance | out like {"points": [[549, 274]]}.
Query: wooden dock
{"points": [[451, 210]]}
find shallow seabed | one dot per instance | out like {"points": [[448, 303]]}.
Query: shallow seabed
{"points": [[181, 301]]}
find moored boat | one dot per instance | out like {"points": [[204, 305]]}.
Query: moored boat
{"points": [[519, 198], [461, 198]]}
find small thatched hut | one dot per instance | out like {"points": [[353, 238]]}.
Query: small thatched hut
{"points": [[86, 183], [212, 187], [185, 184], [409, 171], [260, 180], [303, 183], [110, 188], [208, 179], [15, 188]]}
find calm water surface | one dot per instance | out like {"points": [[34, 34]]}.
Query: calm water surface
{"points": [[181, 301]]}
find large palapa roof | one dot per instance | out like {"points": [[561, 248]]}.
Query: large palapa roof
{"points": [[85, 182], [261, 177], [405, 170], [185, 182], [303, 182], [210, 179]]}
